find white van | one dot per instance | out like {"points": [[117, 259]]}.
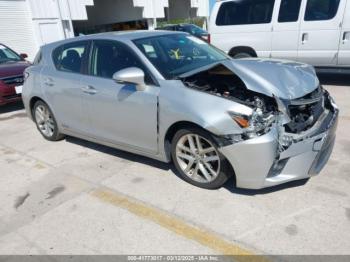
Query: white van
{"points": [[316, 32]]}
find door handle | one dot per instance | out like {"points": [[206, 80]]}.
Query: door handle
{"points": [[346, 37], [304, 38], [49, 82], [89, 90]]}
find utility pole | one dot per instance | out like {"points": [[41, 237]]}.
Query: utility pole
{"points": [[153, 21], [60, 18], [70, 19]]}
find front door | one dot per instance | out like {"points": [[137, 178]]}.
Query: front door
{"points": [[320, 32], [118, 113]]}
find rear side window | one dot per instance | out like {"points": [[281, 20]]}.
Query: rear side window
{"points": [[289, 11], [245, 12], [318, 10], [69, 58]]}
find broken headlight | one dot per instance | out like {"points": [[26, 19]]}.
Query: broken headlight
{"points": [[257, 124]]}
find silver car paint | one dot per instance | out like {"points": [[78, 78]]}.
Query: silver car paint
{"points": [[118, 115], [284, 79]]}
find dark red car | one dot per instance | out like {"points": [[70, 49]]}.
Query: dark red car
{"points": [[12, 66]]}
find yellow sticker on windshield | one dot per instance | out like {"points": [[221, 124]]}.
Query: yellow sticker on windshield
{"points": [[176, 53]]}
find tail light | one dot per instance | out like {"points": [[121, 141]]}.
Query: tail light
{"points": [[206, 38]]}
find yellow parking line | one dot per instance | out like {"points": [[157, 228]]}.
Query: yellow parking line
{"points": [[177, 226]]}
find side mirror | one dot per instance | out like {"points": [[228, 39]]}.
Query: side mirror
{"points": [[131, 75], [23, 56]]}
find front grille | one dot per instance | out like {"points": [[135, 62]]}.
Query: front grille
{"points": [[304, 112], [13, 80]]}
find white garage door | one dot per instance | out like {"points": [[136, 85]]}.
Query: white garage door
{"points": [[16, 28]]}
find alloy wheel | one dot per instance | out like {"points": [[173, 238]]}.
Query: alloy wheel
{"points": [[198, 158], [44, 120]]}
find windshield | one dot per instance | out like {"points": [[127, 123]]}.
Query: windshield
{"points": [[7, 55], [176, 54]]}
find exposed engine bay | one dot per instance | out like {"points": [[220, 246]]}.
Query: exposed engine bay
{"points": [[302, 113], [221, 81], [305, 111]]}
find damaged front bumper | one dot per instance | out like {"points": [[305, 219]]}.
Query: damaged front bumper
{"points": [[260, 162]]}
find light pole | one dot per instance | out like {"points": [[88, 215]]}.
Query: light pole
{"points": [[60, 18], [154, 14], [70, 19]]}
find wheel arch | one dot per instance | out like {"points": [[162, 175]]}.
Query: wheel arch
{"points": [[242, 49], [32, 102], [170, 133]]}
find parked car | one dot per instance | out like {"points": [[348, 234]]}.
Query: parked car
{"points": [[172, 97], [316, 32], [12, 66], [188, 28]]}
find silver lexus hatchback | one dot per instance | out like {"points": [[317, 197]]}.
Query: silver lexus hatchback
{"points": [[172, 97]]}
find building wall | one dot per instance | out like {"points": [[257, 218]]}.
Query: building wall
{"points": [[152, 8], [16, 29], [183, 9], [68, 9], [179, 9], [33, 23], [111, 11]]}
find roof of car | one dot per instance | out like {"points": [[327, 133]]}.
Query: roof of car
{"points": [[131, 35], [121, 35]]}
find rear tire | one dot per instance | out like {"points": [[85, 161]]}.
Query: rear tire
{"points": [[46, 122], [198, 160]]}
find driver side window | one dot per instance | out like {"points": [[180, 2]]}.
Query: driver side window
{"points": [[109, 57]]}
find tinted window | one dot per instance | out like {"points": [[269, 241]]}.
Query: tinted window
{"points": [[289, 11], [321, 9], [245, 12], [69, 57], [170, 28], [109, 57], [7, 55], [176, 54], [192, 29]]}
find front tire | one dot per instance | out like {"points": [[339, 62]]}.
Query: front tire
{"points": [[46, 122], [197, 159]]}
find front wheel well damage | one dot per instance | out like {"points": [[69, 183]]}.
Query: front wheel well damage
{"points": [[171, 133], [173, 129]]}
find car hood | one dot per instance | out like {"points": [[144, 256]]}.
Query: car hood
{"points": [[284, 79], [13, 68]]}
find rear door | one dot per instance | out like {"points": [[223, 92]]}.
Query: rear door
{"points": [[344, 47], [285, 35], [320, 32], [61, 82]]}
